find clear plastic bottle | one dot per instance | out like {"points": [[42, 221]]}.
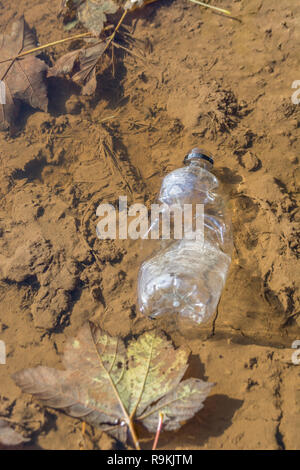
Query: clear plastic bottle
{"points": [[186, 277]]}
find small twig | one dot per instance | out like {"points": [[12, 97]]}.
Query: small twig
{"points": [[60, 41], [112, 37], [227, 12], [36, 49], [159, 428], [83, 431], [108, 118], [134, 434], [113, 59]]}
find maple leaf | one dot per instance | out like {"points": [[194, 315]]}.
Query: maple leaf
{"points": [[9, 437], [112, 387], [81, 66], [23, 77]]}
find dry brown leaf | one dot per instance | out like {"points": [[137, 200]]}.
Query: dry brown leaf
{"points": [[81, 66], [111, 386], [23, 77], [92, 14]]}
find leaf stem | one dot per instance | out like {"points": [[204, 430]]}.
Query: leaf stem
{"points": [[159, 428], [134, 434]]}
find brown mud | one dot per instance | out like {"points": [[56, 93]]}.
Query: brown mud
{"points": [[209, 81]]}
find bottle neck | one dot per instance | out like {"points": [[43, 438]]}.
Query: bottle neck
{"points": [[200, 163]]}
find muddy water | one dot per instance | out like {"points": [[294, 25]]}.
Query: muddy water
{"points": [[209, 81]]}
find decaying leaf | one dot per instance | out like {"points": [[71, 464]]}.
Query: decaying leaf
{"points": [[9, 437], [81, 66], [111, 387], [23, 77], [90, 13]]}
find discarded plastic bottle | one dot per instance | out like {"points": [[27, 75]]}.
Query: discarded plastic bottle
{"points": [[187, 277]]}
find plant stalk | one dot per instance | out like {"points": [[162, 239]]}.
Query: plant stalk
{"points": [[134, 434], [159, 428], [44, 46], [112, 37], [227, 12]]}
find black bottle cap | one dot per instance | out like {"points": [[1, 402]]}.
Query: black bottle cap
{"points": [[198, 153]]}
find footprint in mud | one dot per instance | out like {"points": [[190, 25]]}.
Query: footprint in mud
{"points": [[250, 161], [244, 210], [212, 111]]}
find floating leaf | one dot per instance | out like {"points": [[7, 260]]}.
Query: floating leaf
{"points": [[23, 77], [111, 387], [9, 437], [81, 66]]}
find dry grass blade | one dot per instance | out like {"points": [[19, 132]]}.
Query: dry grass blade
{"points": [[45, 46], [206, 5]]}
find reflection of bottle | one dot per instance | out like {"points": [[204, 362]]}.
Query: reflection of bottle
{"points": [[187, 276]]}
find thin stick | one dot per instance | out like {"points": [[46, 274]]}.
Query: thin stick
{"points": [[108, 118], [113, 59], [159, 427], [83, 430], [227, 12], [134, 434], [112, 37], [46, 45]]}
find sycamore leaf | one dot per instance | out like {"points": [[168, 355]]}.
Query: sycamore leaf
{"points": [[81, 66], [153, 368], [177, 406], [23, 77], [9, 437], [111, 386]]}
